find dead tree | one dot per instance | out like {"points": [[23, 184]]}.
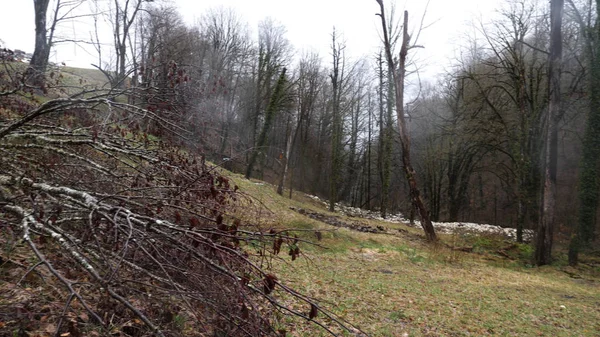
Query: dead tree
{"points": [[398, 74]]}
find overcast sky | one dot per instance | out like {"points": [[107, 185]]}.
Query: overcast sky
{"points": [[309, 24]]}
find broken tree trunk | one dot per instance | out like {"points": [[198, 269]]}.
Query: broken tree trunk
{"points": [[398, 75]]}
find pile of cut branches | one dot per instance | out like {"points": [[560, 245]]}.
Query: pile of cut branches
{"points": [[107, 230]]}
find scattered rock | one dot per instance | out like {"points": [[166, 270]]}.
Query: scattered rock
{"points": [[440, 227]]}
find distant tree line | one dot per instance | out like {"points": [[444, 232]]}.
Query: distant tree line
{"points": [[326, 124]]}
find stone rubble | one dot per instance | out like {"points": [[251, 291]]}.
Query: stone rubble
{"points": [[440, 227]]}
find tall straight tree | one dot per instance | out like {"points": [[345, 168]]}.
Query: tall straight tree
{"points": [[367, 203], [384, 158], [543, 247], [398, 74], [337, 79]]}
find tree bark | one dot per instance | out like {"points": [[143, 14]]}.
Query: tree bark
{"points": [[368, 203], [41, 53], [544, 237], [399, 76], [286, 157], [337, 77]]}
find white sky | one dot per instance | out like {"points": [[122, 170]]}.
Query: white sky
{"points": [[309, 24]]}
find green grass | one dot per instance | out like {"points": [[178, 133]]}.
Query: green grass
{"points": [[371, 286], [397, 285], [83, 77]]}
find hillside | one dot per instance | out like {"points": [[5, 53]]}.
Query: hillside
{"points": [[123, 211], [395, 284], [68, 183]]}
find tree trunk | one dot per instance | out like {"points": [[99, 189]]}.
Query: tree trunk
{"points": [[292, 152], [399, 76], [388, 140], [337, 126], [41, 53], [384, 152], [286, 157], [368, 196], [521, 211], [544, 236]]}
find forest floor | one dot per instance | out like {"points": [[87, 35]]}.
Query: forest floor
{"points": [[384, 278]]}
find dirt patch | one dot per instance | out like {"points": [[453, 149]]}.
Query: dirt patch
{"points": [[338, 222]]}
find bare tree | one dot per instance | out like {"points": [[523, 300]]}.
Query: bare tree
{"points": [[227, 59], [384, 153], [398, 74], [543, 248], [41, 53], [337, 127], [355, 118], [45, 34], [511, 82], [309, 85], [122, 15]]}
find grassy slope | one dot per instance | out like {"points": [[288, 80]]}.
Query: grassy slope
{"points": [[396, 285], [89, 77]]}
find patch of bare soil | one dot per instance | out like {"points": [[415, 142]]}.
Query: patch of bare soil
{"points": [[338, 222]]}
